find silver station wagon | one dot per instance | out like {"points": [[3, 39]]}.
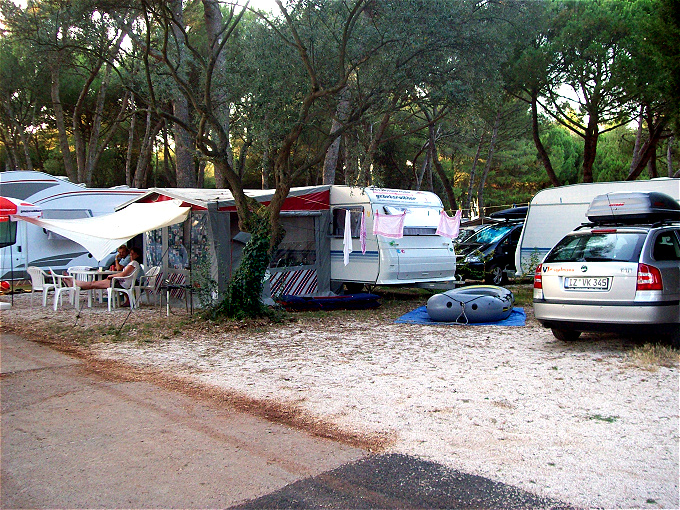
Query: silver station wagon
{"points": [[619, 273]]}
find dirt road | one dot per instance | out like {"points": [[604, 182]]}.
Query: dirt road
{"points": [[74, 436]]}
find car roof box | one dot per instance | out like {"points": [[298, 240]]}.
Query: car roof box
{"points": [[627, 207], [514, 213]]}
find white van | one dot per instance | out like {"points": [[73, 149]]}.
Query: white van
{"points": [[554, 212], [421, 257], [59, 199]]}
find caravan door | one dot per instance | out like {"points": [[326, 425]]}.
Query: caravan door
{"points": [[363, 267], [13, 240]]}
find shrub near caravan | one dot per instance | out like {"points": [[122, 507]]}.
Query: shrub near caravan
{"points": [[421, 257]]}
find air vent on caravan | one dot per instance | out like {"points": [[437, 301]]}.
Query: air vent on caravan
{"points": [[628, 207]]}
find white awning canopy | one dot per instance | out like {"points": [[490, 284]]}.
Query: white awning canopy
{"points": [[101, 235]]}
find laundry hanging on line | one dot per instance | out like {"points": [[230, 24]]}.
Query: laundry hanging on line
{"points": [[347, 238], [389, 225], [448, 226]]}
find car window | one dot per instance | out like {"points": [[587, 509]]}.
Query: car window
{"points": [[490, 234], [666, 247], [591, 247]]}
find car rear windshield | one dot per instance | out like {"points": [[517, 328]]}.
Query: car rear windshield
{"points": [[490, 234], [592, 247]]}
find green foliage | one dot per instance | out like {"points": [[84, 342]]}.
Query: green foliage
{"points": [[205, 287], [244, 293], [566, 153]]}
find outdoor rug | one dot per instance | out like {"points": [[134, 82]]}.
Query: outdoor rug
{"points": [[420, 316]]}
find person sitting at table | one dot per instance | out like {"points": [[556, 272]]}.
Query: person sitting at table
{"points": [[122, 259], [132, 266]]}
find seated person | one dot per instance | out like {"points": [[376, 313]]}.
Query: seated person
{"points": [[122, 259], [131, 267]]}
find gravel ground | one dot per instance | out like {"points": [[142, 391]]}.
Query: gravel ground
{"points": [[584, 422]]}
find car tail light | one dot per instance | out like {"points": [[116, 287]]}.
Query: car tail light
{"points": [[648, 278], [538, 277]]}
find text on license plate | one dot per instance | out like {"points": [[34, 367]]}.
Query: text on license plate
{"points": [[587, 283]]}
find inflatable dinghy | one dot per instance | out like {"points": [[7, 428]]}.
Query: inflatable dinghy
{"points": [[476, 303]]}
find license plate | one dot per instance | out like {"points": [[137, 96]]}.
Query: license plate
{"points": [[586, 283]]}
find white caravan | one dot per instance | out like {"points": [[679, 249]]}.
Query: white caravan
{"points": [[59, 199], [554, 212], [420, 257]]}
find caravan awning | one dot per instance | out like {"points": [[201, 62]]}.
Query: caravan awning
{"points": [[101, 235]]}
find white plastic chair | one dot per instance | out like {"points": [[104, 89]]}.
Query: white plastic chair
{"points": [[147, 284], [114, 291], [39, 283], [80, 273], [62, 288]]}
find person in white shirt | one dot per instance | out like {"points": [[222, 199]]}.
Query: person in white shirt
{"points": [[132, 266]]}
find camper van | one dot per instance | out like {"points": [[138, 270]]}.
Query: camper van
{"points": [[59, 199], [554, 212], [420, 257]]}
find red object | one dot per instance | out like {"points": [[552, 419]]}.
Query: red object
{"points": [[12, 206], [538, 277], [4, 285], [648, 278]]}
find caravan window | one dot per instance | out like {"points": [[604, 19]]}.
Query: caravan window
{"points": [[298, 247], [339, 220], [63, 214]]}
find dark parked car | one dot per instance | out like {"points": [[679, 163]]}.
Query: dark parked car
{"points": [[490, 253]]}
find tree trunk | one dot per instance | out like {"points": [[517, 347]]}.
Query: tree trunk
{"points": [[351, 167], [184, 160], [168, 166], [131, 140], [26, 146], [542, 153], [590, 147], [200, 173], [93, 143], [243, 155], [430, 156], [266, 168], [638, 139], [487, 166], [446, 182], [473, 171], [332, 155], [12, 162], [649, 147], [77, 120], [145, 151], [423, 169], [217, 96], [669, 155], [71, 172]]}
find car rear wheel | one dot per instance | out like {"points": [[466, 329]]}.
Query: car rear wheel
{"points": [[496, 276], [566, 335]]}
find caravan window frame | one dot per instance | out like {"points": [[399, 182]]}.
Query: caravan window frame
{"points": [[338, 225]]}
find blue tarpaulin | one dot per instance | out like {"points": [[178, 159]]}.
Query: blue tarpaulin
{"points": [[420, 316]]}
